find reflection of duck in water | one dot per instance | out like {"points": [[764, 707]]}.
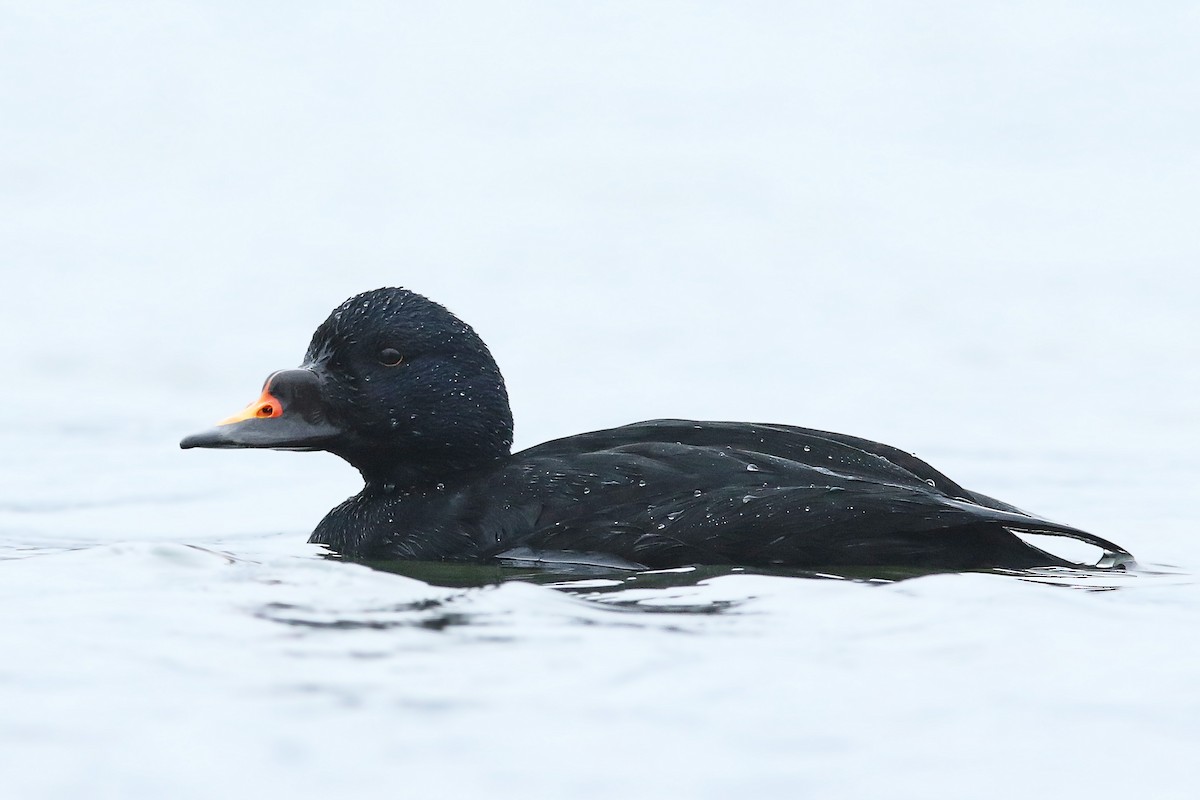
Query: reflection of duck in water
{"points": [[406, 392]]}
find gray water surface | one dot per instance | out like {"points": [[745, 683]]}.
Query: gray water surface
{"points": [[964, 230]]}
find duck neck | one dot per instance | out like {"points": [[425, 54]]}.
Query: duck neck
{"points": [[420, 470]]}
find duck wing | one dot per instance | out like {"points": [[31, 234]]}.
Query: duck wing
{"points": [[849, 455], [673, 492]]}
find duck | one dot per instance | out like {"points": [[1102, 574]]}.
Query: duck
{"points": [[409, 395]]}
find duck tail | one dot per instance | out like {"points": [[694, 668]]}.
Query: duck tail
{"points": [[1114, 556], [1015, 522]]}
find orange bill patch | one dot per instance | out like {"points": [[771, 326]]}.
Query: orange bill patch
{"points": [[264, 407]]}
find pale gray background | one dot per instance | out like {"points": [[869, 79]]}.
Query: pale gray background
{"points": [[967, 229]]}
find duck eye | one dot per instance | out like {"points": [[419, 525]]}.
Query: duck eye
{"points": [[390, 357]]}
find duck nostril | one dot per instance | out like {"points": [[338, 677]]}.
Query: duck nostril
{"points": [[267, 411]]}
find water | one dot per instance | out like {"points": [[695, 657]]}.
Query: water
{"points": [[965, 231]]}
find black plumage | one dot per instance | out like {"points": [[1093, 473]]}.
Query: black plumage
{"points": [[406, 392]]}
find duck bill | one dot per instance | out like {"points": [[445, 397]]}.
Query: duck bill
{"points": [[289, 415]]}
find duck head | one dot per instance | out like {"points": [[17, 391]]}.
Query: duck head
{"points": [[393, 383]]}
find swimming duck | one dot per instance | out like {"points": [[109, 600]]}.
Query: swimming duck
{"points": [[409, 395]]}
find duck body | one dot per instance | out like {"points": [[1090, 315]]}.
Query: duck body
{"points": [[668, 493], [431, 436]]}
